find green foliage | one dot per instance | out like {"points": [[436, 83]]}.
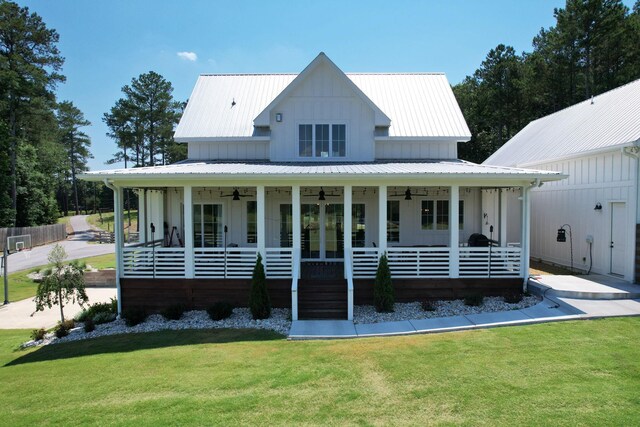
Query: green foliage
{"points": [[220, 310], [93, 310], [38, 334], [383, 295], [134, 315], [89, 325], [64, 284], [103, 317], [174, 311], [513, 298], [428, 305], [474, 300], [259, 301], [61, 330]]}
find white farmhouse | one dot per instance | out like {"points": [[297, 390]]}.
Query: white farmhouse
{"points": [[320, 173], [596, 143]]}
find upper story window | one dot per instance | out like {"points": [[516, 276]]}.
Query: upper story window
{"points": [[322, 140]]}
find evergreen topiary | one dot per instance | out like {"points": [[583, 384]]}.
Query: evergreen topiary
{"points": [[383, 297], [259, 301]]}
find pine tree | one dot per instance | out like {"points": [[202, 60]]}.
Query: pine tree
{"points": [[383, 295], [259, 301]]}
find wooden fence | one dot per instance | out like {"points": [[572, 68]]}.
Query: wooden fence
{"points": [[40, 235]]}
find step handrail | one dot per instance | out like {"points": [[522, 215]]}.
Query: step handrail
{"points": [[348, 272], [295, 275]]}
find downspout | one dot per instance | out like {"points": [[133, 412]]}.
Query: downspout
{"points": [[526, 244], [118, 243], [634, 153]]}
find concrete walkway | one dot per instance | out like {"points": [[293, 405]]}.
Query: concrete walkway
{"points": [[605, 301], [77, 246], [17, 315]]}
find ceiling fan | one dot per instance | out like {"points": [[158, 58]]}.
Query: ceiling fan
{"points": [[236, 195]]}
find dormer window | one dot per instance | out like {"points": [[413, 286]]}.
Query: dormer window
{"points": [[322, 140]]}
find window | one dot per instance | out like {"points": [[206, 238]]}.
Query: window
{"points": [[358, 226], [393, 221], [207, 225], [322, 140], [435, 214], [252, 219], [286, 226]]}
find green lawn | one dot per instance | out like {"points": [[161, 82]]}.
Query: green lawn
{"points": [[570, 373], [107, 221], [21, 287]]}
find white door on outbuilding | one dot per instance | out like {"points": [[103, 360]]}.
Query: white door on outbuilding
{"points": [[618, 238]]}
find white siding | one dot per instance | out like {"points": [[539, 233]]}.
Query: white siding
{"points": [[245, 150], [605, 178], [398, 149]]}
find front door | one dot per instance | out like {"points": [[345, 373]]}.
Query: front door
{"points": [[322, 230], [618, 238]]}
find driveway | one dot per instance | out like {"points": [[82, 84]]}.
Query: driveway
{"points": [[17, 315], [77, 246]]}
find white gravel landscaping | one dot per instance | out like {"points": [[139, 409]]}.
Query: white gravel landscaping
{"points": [[408, 311], [280, 321]]}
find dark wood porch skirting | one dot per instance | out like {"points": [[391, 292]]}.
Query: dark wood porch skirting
{"points": [[410, 290], [156, 294]]}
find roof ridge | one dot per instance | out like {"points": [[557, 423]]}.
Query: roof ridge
{"points": [[366, 73]]}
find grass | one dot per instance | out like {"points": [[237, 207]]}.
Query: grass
{"points": [[106, 224], [21, 287], [577, 373]]}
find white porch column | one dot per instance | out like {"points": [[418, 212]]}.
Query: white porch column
{"points": [[526, 242], [260, 223], [189, 265], [119, 241], [454, 232], [348, 207], [142, 215], [295, 219], [382, 218], [503, 217]]}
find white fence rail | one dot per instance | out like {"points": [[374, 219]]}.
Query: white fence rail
{"points": [[490, 262], [220, 263], [408, 263], [365, 262], [279, 263], [141, 262]]}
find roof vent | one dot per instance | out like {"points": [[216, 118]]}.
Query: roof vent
{"points": [[233, 102], [591, 99]]}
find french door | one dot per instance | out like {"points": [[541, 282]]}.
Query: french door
{"points": [[322, 230]]}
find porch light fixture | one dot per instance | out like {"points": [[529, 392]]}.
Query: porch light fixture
{"points": [[407, 194], [236, 194], [321, 194], [598, 207], [278, 117]]}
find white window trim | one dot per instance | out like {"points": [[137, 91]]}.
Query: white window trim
{"points": [[201, 225], [313, 140], [435, 228]]}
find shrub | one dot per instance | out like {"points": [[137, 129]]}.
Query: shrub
{"points": [[473, 300], [259, 301], [134, 315], [383, 297], [220, 310], [513, 298], [101, 318], [38, 334], [174, 311], [61, 330], [101, 307], [89, 325], [69, 324], [428, 305]]}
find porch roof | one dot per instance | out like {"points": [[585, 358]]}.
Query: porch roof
{"points": [[192, 169]]}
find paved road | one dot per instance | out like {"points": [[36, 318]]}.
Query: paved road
{"points": [[17, 315], [77, 246]]}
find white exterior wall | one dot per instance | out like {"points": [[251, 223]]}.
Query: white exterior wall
{"points": [[323, 98], [605, 178], [398, 149], [245, 150]]}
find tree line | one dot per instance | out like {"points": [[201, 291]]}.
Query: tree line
{"points": [[593, 47], [43, 142]]}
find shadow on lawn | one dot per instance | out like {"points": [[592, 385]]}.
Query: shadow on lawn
{"points": [[124, 343]]}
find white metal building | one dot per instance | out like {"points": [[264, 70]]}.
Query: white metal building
{"points": [[596, 143]]}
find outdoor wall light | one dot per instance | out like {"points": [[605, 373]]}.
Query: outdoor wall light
{"points": [[598, 207], [562, 237], [407, 194], [278, 117]]}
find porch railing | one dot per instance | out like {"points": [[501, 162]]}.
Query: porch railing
{"points": [[144, 262], [490, 262]]}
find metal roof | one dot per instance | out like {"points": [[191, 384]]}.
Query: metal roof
{"points": [[609, 120], [213, 169], [418, 104]]}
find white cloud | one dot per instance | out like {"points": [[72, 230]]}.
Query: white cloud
{"points": [[188, 56]]}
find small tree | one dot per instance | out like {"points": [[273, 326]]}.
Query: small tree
{"points": [[65, 283], [259, 301], [383, 297]]}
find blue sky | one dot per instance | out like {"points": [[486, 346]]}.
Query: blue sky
{"points": [[107, 43]]}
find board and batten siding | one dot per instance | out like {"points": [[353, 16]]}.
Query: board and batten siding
{"points": [[241, 150], [398, 149], [604, 178]]}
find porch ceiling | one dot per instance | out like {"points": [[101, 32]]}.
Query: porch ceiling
{"points": [[316, 171]]}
